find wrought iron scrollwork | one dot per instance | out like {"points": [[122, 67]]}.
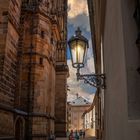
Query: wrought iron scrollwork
{"points": [[96, 80]]}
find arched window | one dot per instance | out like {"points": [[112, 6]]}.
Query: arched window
{"points": [[19, 129]]}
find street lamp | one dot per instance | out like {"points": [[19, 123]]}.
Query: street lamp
{"points": [[78, 45]]}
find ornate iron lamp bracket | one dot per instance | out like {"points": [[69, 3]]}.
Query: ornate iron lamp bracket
{"points": [[96, 80]]}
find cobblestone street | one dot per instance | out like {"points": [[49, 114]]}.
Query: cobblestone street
{"points": [[89, 138]]}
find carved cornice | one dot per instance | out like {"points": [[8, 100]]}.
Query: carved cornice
{"points": [[6, 107], [23, 113], [62, 68]]}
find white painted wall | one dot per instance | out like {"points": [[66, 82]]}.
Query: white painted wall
{"points": [[120, 56]]}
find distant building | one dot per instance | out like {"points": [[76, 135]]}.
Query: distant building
{"points": [[89, 118], [76, 108]]}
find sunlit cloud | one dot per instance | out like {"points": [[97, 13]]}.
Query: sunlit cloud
{"points": [[78, 14], [77, 7]]}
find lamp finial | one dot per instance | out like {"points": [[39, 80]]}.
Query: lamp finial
{"points": [[78, 31]]}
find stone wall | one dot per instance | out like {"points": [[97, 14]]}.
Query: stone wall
{"points": [[9, 41], [9, 35], [60, 107], [29, 34], [61, 71], [6, 124]]}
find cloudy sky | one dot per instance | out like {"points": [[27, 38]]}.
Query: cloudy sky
{"points": [[78, 16]]}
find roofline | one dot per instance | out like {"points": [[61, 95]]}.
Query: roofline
{"points": [[80, 105]]}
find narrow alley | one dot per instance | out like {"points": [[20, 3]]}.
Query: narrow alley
{"points": [[69, 69]]}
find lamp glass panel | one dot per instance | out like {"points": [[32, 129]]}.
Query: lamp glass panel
{"points": [[73, 51], [80, 50]]}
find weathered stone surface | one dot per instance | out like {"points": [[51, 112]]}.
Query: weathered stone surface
{"points": [[8, 52], [6, 124], [60, 104], [29, 33]]}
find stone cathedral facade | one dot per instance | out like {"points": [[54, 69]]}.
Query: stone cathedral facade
{"points": [[33, 68]]}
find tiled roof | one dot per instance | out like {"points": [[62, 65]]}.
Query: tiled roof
{"points": [[80, 101]]}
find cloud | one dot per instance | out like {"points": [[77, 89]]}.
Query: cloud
{"points": [[81, 20], [78, 14], [77, 7], [90, 59], [78, 86], [78, 17]]}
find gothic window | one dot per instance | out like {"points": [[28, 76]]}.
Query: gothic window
{"points": [[19, 130], [42, 34]]}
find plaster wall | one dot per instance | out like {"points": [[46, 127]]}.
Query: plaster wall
{"points": [[132, 55], [76, 117], [120, 60]]}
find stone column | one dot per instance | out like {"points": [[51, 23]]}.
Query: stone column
{"points": [[60, 101]]}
